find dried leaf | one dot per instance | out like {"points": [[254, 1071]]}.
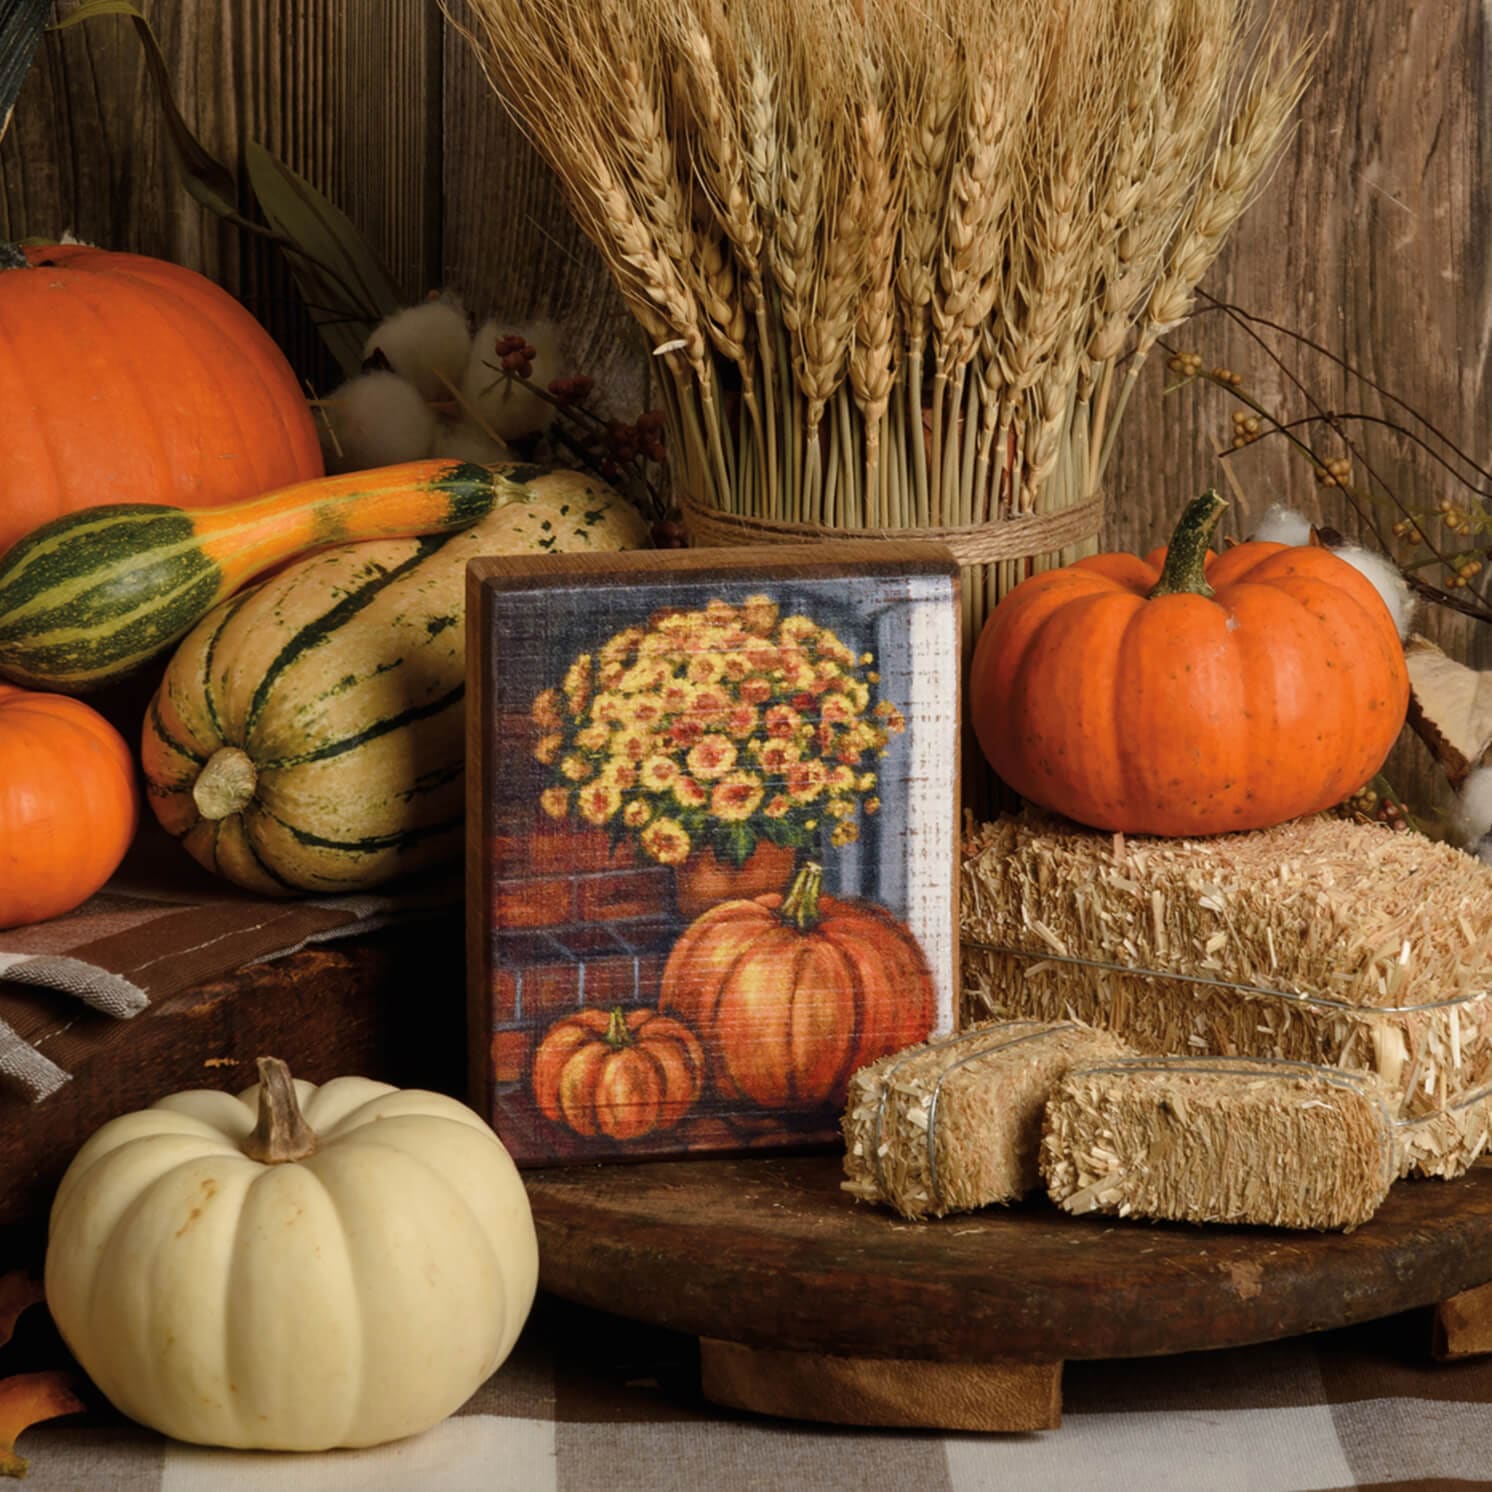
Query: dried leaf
{"points": [[209, 181], [17, 1291], [1450, 708], [27, 1399], [345, 287], [21, 25]]}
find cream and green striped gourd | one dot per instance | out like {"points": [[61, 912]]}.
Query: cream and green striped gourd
{"points": [[309, 735], [93, 595]]}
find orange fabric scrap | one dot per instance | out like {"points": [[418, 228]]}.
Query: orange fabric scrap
{"points": [[26, 1399]]}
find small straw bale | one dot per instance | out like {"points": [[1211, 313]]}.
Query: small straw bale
{"points": [[1320, 940], [955, 1123], [1285, 1145]]}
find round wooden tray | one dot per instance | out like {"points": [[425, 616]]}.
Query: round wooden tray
{"points": [[788, 1281]]}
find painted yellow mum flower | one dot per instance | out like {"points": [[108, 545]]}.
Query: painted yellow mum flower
{"points": [[721, 613], [666, 841], [712, 758], [658, 773], [755, 690], [593, 738], [548, 747], [777, 806], [805, 781], [610, 708], [735, 797], [598, 802], [619, 773], [555, 801], [633, 745], [547, 711], [759, 614], [872, 805], [798, 629], [706, 668], [622, 643], [636, 814], [688, 793], [577, 683], [835, 709], [775, 755], [840, 779], [839, 808], [576, 768], [845, 833], [893, 718]]}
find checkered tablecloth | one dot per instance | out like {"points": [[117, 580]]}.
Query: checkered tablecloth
{"points": [[588, 1403]]}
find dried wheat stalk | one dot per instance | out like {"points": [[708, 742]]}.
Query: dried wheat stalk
{"points": [[892, 252]]}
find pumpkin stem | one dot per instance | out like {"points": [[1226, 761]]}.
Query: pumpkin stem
{"points": [[800, 906], [1185, 570], [226, 784], [617, 1035], [12, 256], [282, 1134]]}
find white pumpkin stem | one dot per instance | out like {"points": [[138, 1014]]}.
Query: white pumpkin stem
{"points": [[282, 1134], [226, 784]]}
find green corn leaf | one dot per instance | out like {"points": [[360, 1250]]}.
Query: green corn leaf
{"points": [[346, 289], [21, 25]]}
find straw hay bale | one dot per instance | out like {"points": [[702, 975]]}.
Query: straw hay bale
{"points": [[955, 1123], [1221, 1141], [1361, 949]]}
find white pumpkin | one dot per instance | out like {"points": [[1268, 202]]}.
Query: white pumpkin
{"points": [[230, 1273]]}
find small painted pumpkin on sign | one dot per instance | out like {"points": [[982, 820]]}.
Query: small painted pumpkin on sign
{"points": [[619, 1074]]}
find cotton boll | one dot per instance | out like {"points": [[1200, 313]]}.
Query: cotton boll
{"points": [[427, 344], [465, 441], [1386, 580], [504, 405], [1282, 525], [1472, 820], [379, 419]]}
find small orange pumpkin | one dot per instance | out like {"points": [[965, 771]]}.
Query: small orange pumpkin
{"points": [[793, 993], [68, 803], [619, 1074], [1186, 693], [167, 390]]}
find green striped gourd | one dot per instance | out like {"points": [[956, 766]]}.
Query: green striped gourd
{"points": [[309, 735], [93, 595]]}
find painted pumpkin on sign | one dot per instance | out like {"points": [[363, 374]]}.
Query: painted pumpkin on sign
{"points": [[1189, 694], [619, 1074], [791, 994], [168, 390]]}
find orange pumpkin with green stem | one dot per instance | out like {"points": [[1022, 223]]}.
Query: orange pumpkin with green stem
{"points": [[1190, 693], [68, 804], [127, 379], [615, 1073], [793, 993]]}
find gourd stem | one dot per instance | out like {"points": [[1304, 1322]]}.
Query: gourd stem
{"points": [[800, 906], [226, 784], [1185, 571], [282, 1134], [617, 1035]]}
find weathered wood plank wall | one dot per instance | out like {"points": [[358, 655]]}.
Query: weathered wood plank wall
{"points": [[1371, 239]]}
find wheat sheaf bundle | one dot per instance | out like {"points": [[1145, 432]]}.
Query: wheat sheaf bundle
{"points": [[901, 260]]}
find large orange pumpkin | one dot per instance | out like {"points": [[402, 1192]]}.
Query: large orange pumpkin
{"points": [[68, 803], [127, 379], [618, 1074], [1187, 693], [792, 994]]}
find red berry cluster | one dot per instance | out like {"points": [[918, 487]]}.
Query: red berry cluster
{"points": [[568, 392], [625, 443], [516, 356]]}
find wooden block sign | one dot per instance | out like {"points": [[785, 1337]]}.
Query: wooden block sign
{"points": [[713, 810]]}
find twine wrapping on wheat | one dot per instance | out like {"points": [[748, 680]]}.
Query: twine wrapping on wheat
{"points": [[1027, 537]]}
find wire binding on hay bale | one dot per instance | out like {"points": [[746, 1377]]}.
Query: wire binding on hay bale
{"points": [[954, 1124]]}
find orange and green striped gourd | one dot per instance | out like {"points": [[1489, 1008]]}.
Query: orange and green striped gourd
{"points": [[93, 595]]}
